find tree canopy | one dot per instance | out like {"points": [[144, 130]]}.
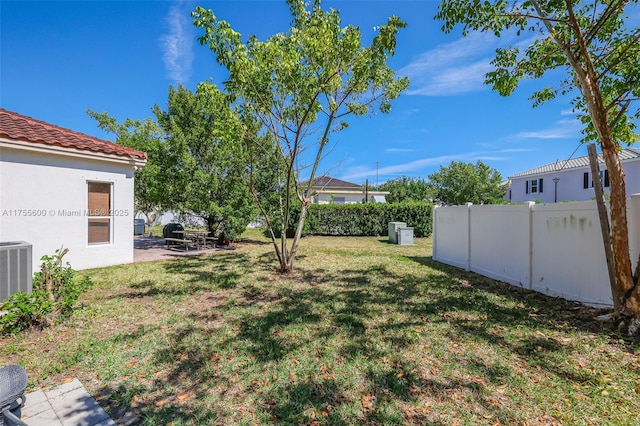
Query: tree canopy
{"points": [[406, 189], [209, 165], [460, 183], [149, 180], [197, 158], [300, 86]]}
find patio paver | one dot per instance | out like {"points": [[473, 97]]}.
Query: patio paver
{"points": [[66, 405]]}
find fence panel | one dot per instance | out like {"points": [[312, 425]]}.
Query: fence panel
{"points": [[499, 238], [555, 248], [567, 253], [452, 245]]}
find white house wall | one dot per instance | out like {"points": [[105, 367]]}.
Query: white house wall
{"points": [[570, 185], [348, 199], [632, 177], [39, 195]]}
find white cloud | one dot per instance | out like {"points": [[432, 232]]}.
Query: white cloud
{"points": [[564, 129], [517, 150], [452, 68], [177, 45], [399, 150]]}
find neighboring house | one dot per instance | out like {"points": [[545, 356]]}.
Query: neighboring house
{"points": [[328, 190], [60, 188], [571, 180]]}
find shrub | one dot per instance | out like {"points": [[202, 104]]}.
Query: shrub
{"points": [[55, 293], [24, 311], [370, 219], [57, 279]]}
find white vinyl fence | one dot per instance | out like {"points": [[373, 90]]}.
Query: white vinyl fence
{"points": [[555, 249]]}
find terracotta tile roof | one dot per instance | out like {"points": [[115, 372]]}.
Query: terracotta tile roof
{"points": [[23, 128], [575, 163]]}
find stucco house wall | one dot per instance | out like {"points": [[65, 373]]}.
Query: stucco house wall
{"points": [[570, 184], [338, 198], [44, 199]]}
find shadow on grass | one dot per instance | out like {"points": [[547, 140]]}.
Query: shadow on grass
{"points": [[125, 408], [255, 242], [189, 276], [386, 241], [220, 271], [543, 310], [367, 318]]}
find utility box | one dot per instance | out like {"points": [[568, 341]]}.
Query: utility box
{"points": [[138, 226], [393, 231], [405, 236], [15, 268]]}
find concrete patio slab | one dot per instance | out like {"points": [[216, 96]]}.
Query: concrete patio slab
{"points": [[147, 249], [66, 405]]}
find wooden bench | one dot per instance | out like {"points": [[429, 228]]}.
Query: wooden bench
{"points": [[178, 241], [213, 241]]}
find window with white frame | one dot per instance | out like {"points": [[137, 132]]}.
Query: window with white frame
{"points": [[534, 186], [587, 179], [99, 212]]}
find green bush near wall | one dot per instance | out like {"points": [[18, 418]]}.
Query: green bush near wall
{"points": [[371, 219]]}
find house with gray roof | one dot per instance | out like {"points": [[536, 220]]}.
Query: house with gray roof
{"points": [[328, 190], [571, 180]]}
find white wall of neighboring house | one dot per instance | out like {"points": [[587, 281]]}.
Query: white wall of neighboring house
{"points": [[347, 197], [339, 198], [570, 186], [44, 202], [328, 190]]}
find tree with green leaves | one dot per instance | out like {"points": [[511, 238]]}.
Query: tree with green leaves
{"points": [[149, 180], [197, 159], [600, 54], [206, 137], [406, 189], [298, 83], [460, 183]]}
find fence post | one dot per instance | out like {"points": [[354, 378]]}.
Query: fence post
{"points": [[605, 226], [529, 206], [434, 233], [468, 268]]}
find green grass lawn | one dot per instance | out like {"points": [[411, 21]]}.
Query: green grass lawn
{"points": [[363, 332]]}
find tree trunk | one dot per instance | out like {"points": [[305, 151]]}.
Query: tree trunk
{"points": [[284, 259], [587, 80], [148, 216], [298, 235], [212, 225], [619, 229]]}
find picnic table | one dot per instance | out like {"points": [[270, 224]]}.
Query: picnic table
{"points": [[195, 236]]}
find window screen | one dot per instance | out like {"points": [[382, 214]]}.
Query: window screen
{"points": [[99, 212]]}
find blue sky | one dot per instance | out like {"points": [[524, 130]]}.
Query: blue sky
{"points": [[60, 58]]}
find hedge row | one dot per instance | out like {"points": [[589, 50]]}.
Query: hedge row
{"points": [[371, 219]]}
